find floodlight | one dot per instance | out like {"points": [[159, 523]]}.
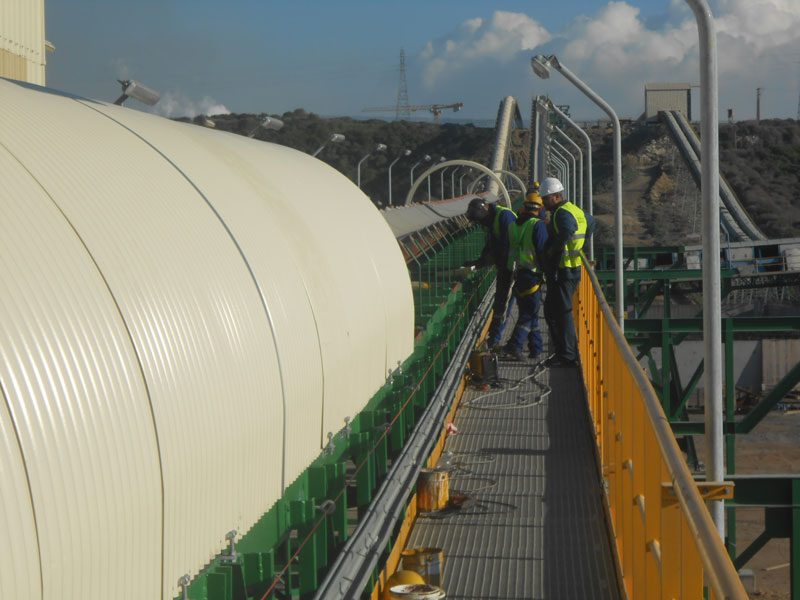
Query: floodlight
{"points": [[267, 123], [138, 91], [541, 66]]}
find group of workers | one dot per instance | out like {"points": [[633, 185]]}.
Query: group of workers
{"points": [[528, 251]]}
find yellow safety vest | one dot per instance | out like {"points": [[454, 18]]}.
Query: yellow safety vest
{"points": [[497, 211], [521, 248], [571, 257]]}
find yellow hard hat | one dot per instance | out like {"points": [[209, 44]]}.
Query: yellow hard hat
{"points": [[401, 578], [534, 198]]}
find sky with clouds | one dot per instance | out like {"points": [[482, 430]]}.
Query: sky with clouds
{"points": [[336, 58]]}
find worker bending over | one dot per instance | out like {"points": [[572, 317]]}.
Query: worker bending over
{"points": [[569, 227], [496, 220], [527, 238]]}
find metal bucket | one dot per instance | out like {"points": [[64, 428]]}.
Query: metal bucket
{"points": [[433, 489]]}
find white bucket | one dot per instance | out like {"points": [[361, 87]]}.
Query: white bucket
{"points": [[416, 591]]}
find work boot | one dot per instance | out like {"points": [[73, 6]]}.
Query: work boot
{"points": [[513, 353]]}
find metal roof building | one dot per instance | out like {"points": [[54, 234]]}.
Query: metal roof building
{"points": [[666, 97], [22, 42], [181, 326]]}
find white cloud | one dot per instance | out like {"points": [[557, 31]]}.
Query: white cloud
{"points": [[499, 39], [616, 51], [178, 104]]}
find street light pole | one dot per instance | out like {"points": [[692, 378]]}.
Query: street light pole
{"points": [[569, 155], [441, 160], [541, 66], [588, 177], [378, 148], [460, 179], [712, 295], [441, 182], [554, 151], [578, 171], [335, 138], [425, 158], [561, 169], [405, 152], [453, 182]]}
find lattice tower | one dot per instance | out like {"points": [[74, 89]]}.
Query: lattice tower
{"points": [[402, 111]]}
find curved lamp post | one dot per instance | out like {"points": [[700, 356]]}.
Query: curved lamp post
{"points": [[566, 154], [425, 158], [335, 138], [712, 295], [377, 148], [441, 183], [441, 160], [562, 170], [588, 176], [453, 182], [405, 152], [578, 171], [541, 66], [461, 179]]}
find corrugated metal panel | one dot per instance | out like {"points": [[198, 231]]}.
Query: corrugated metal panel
{"points": [[190, 305], [243, 197], [779, 357], [658, 100], [354, 271], [214, 258], [406, 219], [22, 37], [78, 403], [19, 556]]}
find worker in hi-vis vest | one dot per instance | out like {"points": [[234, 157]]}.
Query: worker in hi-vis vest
{"points": [[496, 220], [527, 237], [569, 227]]}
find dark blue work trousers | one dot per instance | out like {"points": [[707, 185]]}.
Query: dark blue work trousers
{"points": [[558, 315], [502, 306], [527, 328]]}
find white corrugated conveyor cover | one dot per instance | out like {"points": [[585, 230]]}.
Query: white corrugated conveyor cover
{"points": [[185, 315]]}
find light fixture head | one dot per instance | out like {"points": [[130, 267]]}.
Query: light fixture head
{"points": [[406, 152], [271, 123], [380, 147], [337, 137], [426, 158], [541, 66], [138, 91], [442, 159]]}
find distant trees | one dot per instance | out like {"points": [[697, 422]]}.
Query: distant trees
{"points": [[306, 131]]}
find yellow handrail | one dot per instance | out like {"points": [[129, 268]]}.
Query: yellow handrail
{"points": [[665, 541]]}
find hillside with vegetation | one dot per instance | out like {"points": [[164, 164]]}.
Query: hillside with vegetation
{"points": [[661, 202], [306, 132]]}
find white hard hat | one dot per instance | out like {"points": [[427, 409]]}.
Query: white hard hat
{"points": [[551, 185]]}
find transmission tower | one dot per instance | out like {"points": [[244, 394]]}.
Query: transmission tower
{"points": [[402, 110]]}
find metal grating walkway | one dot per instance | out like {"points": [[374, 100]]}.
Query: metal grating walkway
{"points": [[534, 527]]}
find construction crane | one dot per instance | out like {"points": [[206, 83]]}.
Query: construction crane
{"points": [[436, 109]]}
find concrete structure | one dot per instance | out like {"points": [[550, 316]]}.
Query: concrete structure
{"points": [[22, 42], [667, 96]]}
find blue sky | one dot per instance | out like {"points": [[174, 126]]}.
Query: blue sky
{"points": [[336, 57]]}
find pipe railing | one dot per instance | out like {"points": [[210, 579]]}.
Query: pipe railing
{"points": [[665, 540]]}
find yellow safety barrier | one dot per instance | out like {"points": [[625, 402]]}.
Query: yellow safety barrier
{"points": [[665, 541]]}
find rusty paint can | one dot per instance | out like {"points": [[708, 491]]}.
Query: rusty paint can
{"points": [[433, 489]]}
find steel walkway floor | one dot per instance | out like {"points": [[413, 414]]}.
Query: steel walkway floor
{"points": [[534, 525]]}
